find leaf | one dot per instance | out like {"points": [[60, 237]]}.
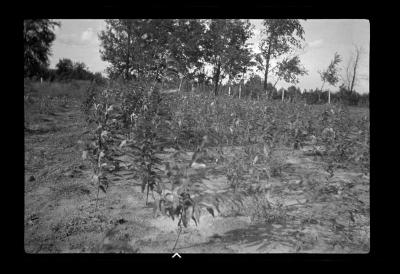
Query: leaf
{"points": [[102, 188], [210, 210]]}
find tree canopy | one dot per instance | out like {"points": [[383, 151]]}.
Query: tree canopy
{"points": [[330, 75], [226, 47], [38, 38], [280, 36]]}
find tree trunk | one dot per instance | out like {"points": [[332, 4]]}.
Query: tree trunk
{"points": [[180, 84], [322, 87], [266, 70], [355, 70], [266, 76], [216, 79]]}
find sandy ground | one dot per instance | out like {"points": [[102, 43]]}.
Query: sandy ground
{"points": [[318, 215]]}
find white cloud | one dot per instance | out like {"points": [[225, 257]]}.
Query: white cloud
{"points": [[87, 38], [315, 43], [69, 39], [87, 35]]}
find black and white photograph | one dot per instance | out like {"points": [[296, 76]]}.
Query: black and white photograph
{"points": [[197, 136]]}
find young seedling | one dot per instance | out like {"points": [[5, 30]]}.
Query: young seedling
{"points": [[101, 150]]}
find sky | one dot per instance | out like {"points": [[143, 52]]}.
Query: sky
{"points": [[78, 41]]}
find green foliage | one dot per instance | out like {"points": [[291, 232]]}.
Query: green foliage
{"points": [[346, 139], [289, 70], [280, 37], [253, 87], [147, 139], [186, 46], [102, 150], [64, 67], [67, 70], [330, 75], [226, 48], [38, 38], [138, 122], [74, 89], [161, 49], [137, 48]]}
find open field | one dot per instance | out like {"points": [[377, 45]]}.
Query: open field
{"points": [[273, 177]]}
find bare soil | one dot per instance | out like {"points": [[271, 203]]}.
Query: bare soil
{"points": [[320, 215]]}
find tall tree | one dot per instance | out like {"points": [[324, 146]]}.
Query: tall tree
{"points": [[38, 38], [280, 36], [156, 44], [64, 68], [350, 78], [119, 43], [138, 47], [237, 65], [330, 75], [289, 70], [186, 48], [225, 40], [81, 71]]}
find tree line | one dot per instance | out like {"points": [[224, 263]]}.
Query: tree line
{"points": [[67, 70], [176, 53]]}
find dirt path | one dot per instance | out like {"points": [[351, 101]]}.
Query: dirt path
{"points": [[60, 213]]}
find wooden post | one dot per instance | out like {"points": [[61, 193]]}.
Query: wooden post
{"points": [[329, 97]]}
